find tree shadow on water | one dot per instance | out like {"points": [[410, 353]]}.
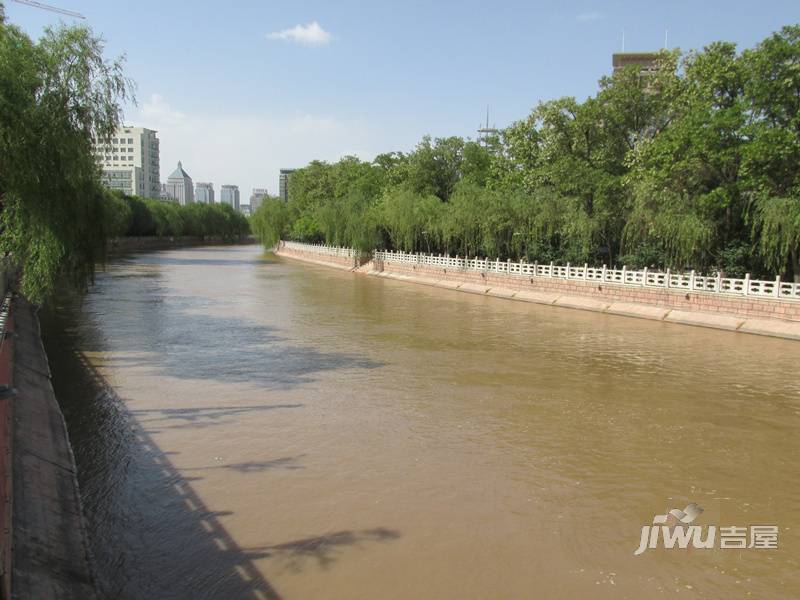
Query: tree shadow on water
{"points": [[180, 337], [323, 549], [288, 463], [150, 534], [200, 417]]}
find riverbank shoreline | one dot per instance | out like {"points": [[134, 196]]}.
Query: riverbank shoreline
{"points": [[529, 290], [44, 549], [132, 245], [49, 555]]}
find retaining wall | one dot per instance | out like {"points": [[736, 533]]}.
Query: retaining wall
{"points": [[761, 316], [348, 260], [611, 293], [49, 554]]}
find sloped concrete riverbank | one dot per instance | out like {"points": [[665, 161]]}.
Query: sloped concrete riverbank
{"points": [[48, 557]]}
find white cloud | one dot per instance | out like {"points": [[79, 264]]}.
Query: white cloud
{"points": [[157, 109], [308, 35], [249, 150], [586, 17]]}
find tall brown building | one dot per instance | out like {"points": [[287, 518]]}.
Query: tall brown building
{"points": [[646, 61]]}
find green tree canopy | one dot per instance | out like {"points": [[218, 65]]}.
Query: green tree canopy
{"points": [[56, 96]]}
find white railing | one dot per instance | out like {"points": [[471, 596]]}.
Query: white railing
{"points": [[775, 289], [689, 282], [320, 249]]}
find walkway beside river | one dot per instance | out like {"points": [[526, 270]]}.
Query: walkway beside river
{"points": [[49, 558]]}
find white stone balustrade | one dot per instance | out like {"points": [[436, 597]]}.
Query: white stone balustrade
{"points": [[689, 282], [320, 249]]}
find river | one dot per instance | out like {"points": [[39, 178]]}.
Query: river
{"points": [[247, 426]]}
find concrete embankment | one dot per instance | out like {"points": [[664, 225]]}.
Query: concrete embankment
{"points": [[759, 316], [47, 556]]}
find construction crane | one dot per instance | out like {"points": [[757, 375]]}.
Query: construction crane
{"points": [[55, 9]]}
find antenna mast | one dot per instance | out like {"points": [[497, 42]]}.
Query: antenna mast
{"points": [[485, 133]]}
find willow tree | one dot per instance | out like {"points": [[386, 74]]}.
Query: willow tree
{"points": [[686, 180], [270, 222], [772, 158], [410, 219], [56, 96]]}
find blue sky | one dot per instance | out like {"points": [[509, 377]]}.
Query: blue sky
{"points": [[240, 89]]}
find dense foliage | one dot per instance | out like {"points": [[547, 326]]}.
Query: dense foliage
{"points": [[696, 165], [135, 216], [55, 95]]}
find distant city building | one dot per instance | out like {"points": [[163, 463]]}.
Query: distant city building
{"points": [[163, 195], [646, 61], [256, 198], [245, 209], [229, 194], [204, 193], [180, 186], [283, 183], [130, 161]]}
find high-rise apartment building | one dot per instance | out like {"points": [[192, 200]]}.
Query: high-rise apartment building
{"points": [[130, 161], [229, 194], [283, 184], [256, 198], [204, 193], [180, 186]]}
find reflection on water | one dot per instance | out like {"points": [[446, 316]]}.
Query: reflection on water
{"points": [[248, 427]]}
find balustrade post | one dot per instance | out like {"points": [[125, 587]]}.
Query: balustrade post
{"points": [[567, 270], [551, 268], [719, 281], [667, 278], [691, 280], [624, 269], [644, 277], [585, 271], [777, 291], [747, 284], [603, 274]]}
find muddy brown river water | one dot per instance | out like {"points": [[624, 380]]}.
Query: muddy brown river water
{"points": [[247, 426]]}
